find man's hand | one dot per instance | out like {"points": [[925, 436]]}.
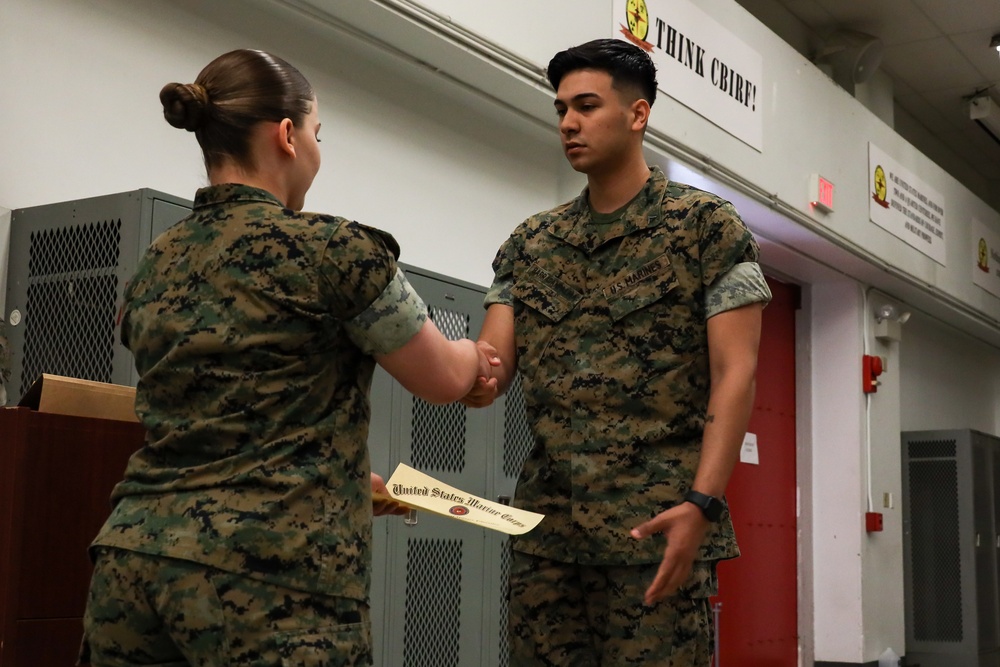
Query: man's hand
{"points": [[482, 394], [684, 526], [485, 390], [382, 502], [488, 359]]}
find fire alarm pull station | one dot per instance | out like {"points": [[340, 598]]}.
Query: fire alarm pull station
{"points": [[871, 368]]}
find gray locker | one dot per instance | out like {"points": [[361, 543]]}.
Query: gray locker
{"points": [[951, 538], [439, 592], [69, 263]]}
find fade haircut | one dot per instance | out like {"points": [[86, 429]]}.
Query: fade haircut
{"points": [[631, 69]]}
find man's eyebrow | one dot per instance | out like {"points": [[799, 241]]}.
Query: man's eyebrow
{"points": [[576, 98]]}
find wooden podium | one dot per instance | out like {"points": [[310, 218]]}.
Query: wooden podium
{"points": [[56, 477]]}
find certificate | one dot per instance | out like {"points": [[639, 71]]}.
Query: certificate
{"points": [[414, 489]]}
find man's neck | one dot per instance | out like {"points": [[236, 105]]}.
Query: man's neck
{"points": [[612, 190]]}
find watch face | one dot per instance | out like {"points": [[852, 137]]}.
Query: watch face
{"points": [[713, 509]]}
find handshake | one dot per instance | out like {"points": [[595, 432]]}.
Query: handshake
{"points": [[488, 384]]}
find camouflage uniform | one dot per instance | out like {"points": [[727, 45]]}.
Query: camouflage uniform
{"points": [[610, 330], [254, 329]]}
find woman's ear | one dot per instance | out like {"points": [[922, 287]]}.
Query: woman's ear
{"points": [[285, 135]]}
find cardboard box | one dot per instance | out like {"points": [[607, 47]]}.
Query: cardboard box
{"points": [[81, 398]]}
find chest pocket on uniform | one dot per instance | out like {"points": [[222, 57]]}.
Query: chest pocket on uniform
{"points": [[545, 294], [641, 288], [542, 303]]}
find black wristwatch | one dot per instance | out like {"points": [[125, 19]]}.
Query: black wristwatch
{"points": [[710, 506]]}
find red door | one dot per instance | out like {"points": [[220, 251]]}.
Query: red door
{"points": [[758, 622]]}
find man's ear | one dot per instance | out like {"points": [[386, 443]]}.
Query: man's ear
{"points": [[640, 114], [285, 137]]}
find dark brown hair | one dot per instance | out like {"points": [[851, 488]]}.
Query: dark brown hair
{"points": [[231, 95], [628, 65]]}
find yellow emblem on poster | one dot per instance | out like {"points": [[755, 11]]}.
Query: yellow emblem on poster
{"points": [[636, 25], [637, 16], [880, 187]]}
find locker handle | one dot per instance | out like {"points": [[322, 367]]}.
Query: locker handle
{"points": [[505, 500], [977, 539], [410, 519]]}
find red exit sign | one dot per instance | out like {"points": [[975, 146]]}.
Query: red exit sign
{"points": [[821, 193]]}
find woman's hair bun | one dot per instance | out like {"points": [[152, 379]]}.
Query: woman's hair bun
{"points": [[185, 105]]}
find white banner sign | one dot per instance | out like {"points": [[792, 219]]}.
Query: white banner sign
{"points": [[985, 257], [905, 206], [699, 63]]}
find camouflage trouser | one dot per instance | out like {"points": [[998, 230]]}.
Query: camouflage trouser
{"points": [[564, 614], [147, 610]]}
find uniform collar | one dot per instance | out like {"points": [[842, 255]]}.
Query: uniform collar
{"points": [[233, 193], [574, 226]]}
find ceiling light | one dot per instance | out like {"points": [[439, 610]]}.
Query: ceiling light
{"points": [[995, 42]]}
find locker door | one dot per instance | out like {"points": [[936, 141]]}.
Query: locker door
{"points": [[758, 591], [995, 488], [514, 434], [983, 489], [430, 579]]}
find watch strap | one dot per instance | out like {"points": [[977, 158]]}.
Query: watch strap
{"points": [[710, 506]]}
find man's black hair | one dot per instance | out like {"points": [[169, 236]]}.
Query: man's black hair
{"points": [[627, 64]]}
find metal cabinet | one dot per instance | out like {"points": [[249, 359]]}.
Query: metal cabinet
{"points": [[68, 266], [439, 585], [951, 538]]}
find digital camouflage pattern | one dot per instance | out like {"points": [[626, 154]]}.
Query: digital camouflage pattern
{"points": [[572, 615], [610, 329], [146, 610], [252, 328], [741, 285]]}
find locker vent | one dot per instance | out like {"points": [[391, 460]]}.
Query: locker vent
{"points": [[70, 306], [505, 558], [936, 575], [438, 440], [517, 439], [433, 617], [931, 449]]}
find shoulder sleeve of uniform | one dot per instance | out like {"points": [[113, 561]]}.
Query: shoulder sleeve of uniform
{"points": [[501, 292], [391, 320], [357, 265], [725, 241], [740, 286], [368, 291], [387, 239], [503, 271]]}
